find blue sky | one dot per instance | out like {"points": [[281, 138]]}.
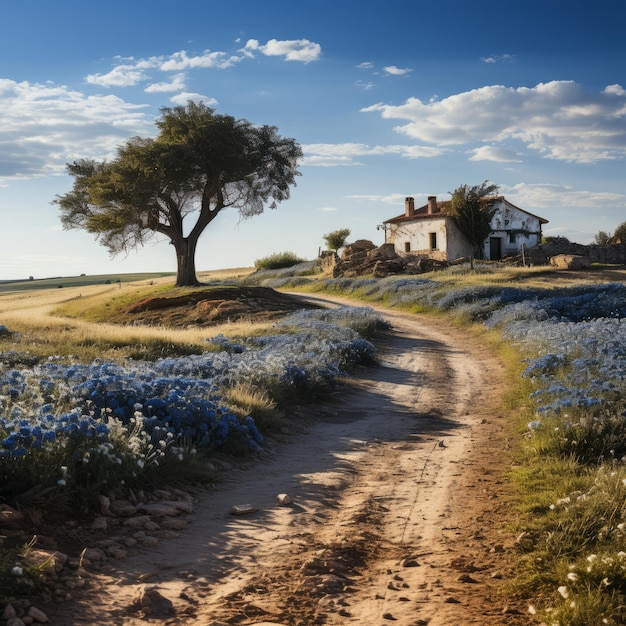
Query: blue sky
{"points": [[388, 99]]}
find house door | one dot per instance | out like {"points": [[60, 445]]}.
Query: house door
{"points": [[495, 248]]}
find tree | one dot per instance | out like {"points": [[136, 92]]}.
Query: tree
{"points": [[472, 209], [601, 238], [620, 233], [336, 239], [199, 164]]}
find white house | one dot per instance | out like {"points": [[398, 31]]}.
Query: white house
{"points": [[431, 231]]}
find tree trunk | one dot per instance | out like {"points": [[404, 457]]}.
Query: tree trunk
{"points": [[186, 262]]}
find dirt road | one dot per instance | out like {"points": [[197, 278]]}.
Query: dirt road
{"points": [[397, 504]]}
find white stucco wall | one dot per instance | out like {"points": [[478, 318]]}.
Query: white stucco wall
{"points": [[417, 234], [510, 225], [514, 228]]}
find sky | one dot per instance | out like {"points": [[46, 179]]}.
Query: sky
{"points": [[387, 99]]}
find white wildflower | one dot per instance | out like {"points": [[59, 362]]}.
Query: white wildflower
{"points": [[563, 591], [572, 576], [17, 571]]}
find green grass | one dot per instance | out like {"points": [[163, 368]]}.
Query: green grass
{"points": [[569, 500]]}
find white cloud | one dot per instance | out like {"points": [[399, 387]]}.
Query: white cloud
{"points": [[177, 83], [186, 96], [181, 61], [492, 153], [293, 50], [120, 76], [45, 126], [498, 58], [335, 154], [396, 199], [397, 71], [548, 196], [561, 120], [366, 65], [616, 90], [328, 209]]}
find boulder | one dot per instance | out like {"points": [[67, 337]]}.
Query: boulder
{"points": [[570, 261], [363, 258]]}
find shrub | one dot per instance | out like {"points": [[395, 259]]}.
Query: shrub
{"points": [[278, 261]]}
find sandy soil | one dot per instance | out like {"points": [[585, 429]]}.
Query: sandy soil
{"points": [[397, 510]]}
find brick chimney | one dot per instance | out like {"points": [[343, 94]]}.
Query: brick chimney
{"points": [[409, 207], [432, 205]]}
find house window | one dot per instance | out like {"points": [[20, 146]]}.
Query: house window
{"points": [[433, 240], [512, 237], [407, 246]]}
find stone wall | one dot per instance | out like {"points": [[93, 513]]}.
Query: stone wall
{"points": [[614, 254]]}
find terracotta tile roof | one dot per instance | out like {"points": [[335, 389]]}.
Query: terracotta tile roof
{"points": [[442, 205]]}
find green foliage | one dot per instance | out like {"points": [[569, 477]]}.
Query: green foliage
{"points": [[337, 238], [277, 261], [18, 577], [200, 163], [620, 232], [555, 240], [472, 209]]}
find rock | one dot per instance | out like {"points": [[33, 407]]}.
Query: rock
{"points": [[149, 541], [186, 506], [243, 509], [138, 521], [152, 601], [363, 258], [122, 508], [99, 523], [174, 523], [10, 516], [570, 261], [15, 621], [9, 612], [330, 584], [105, 505], [93, 554], [283, 499], [168, 534], [466, 578], [409, 563], [38, 615], [117, 552]]}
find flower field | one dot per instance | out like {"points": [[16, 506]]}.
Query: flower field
{"points": [[572, 471], [75, 429]]}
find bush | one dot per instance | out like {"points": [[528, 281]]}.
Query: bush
{"points": [[278, 261]]}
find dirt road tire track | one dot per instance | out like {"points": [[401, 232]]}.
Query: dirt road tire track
{"points": [[397, 512]]}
